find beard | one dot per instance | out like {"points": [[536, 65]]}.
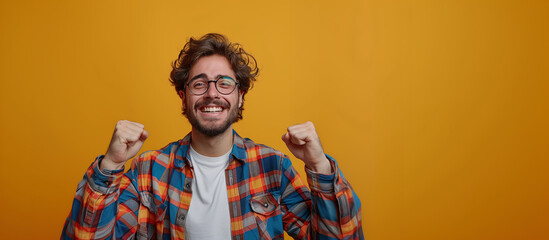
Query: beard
{"points": [[211, 131]]}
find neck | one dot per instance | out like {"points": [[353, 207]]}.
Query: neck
{"points": [[212, 146]]}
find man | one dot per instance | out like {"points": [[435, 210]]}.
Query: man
{"points": [[213, 184]]}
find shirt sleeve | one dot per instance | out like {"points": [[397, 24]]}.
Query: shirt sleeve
{"points": [[331, 210], [104, 206]]}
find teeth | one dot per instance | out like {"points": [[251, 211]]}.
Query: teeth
{"points": [[212, 109]]}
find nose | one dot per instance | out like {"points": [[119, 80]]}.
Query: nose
{"points": [[212, 90]]}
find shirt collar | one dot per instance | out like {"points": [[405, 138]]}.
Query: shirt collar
{"points": [[182, 156]]}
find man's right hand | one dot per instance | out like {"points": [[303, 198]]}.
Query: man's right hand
{"points": [[127, 139]]}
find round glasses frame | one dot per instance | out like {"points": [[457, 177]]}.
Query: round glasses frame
{"points": [[202, 92]]}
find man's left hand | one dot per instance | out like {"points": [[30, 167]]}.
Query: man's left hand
{"points": [[303, 142]]}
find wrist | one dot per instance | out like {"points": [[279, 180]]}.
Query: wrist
{"points": [[108, 164], [322, 167]]}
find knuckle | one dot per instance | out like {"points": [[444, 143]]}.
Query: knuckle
{"points": [[121, 123]]}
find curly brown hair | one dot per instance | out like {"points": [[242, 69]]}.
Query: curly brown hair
{"points": [[243, 64]]}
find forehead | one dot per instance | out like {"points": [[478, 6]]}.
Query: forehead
{"points": [[212, 66]]}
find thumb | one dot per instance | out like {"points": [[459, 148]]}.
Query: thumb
{"points": [[286, 138], [144, 135]]}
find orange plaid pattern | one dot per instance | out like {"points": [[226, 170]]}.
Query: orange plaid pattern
{"points": [[266, 197]]}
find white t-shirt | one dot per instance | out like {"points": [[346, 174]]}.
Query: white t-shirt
{"points": [[208, 216]]}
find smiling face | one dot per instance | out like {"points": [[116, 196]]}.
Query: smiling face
{"points": [[211, 113]]}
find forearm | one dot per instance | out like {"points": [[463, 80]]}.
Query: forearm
{"points": [[336, 210], [94, 207]]}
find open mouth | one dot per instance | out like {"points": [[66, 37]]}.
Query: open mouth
{"points": [[211, 109]]}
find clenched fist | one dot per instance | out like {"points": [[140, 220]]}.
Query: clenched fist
{"points": [[127, 139], [302, 140]]}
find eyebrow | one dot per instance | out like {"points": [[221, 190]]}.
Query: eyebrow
{"points": [[203, 75]]}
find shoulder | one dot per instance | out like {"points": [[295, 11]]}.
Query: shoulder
{"points": [[164, 151], [259, 152], [160, 159]]}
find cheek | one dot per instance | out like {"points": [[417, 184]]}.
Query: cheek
{"points": [[187, 102], [238, 102]]}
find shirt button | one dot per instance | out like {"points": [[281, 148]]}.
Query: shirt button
{"points": [[188, 185], [182, 217], [265, 204]]}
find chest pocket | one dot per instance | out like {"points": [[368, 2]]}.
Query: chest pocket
{"points": [[266, 208], [265, 204]]}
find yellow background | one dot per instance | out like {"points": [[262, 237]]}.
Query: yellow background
{"points": [[437, 111]]}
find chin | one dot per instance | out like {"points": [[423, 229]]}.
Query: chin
{"points": [[210, 130]]}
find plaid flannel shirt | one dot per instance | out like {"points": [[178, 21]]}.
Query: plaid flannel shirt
{"points": [[266, 197]]}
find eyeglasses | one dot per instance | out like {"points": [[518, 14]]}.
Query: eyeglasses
{"points": [[200, 85]]}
